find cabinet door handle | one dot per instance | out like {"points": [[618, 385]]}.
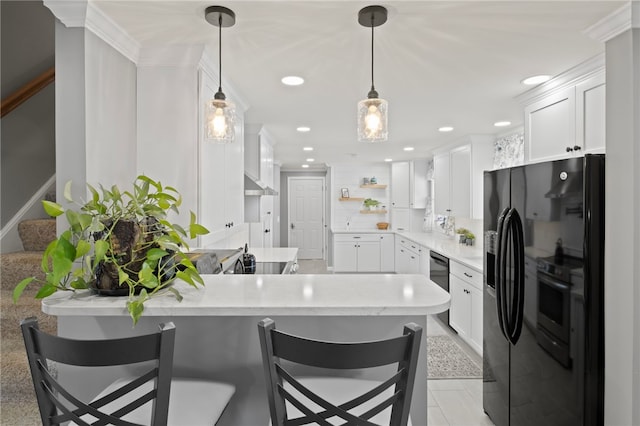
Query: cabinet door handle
{"points": [[577, 148], [467, 275], [292, 226], [356, 237], [569, 149]]}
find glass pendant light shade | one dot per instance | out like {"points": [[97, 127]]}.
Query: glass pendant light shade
{"points": [[219, 112], [220, 121], [372, 112], [372, 120]]}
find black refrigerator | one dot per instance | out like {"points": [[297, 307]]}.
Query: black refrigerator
{"points": [[543, 343]]}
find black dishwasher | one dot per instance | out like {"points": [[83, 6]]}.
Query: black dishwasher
{"points": [[439, 274]]}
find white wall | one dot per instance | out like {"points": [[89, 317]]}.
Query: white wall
{"points": [[110, 114], [351, 176], [167, 148], [95, 113], [622, 229]]}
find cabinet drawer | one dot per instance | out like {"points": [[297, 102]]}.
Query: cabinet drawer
{"points": [[409, 245], [356, 237], [467, 274]]}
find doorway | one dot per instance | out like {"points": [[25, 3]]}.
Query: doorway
{"points": [[306, 213]]}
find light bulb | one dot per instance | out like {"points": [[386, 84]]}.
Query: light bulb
{"points": [[219, 123], [372, 119]]}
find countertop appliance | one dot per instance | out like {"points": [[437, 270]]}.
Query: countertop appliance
{"points": [[276, 268], [248, 261], [217, 261], [543, 344], [439, 274]]}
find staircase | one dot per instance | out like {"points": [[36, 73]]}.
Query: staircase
{"points": [[17, 396]]}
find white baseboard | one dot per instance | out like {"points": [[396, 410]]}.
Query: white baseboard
{"points": [[9, 238]]}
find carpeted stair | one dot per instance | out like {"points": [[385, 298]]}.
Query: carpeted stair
{"points": [[18, 403]]}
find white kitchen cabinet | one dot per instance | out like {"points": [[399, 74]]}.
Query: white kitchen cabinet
{"points": [[458, 177], [550, 125], [407, 256], [442, 185], [409, 184], [258, 158], [460, 190], [356, 253], [387, 253], [568, 119], [222, 166], [465, 312], [424, 261], [452, 182], [590, 114]]}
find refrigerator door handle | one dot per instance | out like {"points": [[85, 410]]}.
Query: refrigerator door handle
{"points": [[500, 271], [517, 300]]}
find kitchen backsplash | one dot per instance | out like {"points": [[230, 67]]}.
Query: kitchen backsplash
{"points": [[509, 151]]}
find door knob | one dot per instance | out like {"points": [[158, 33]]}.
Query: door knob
{"points": [[292, 226]]}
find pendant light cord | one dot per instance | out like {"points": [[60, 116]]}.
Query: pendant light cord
{"points": [[220, 52], [372, 87]]}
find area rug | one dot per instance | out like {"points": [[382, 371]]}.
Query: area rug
{"points": [[447, 360]]}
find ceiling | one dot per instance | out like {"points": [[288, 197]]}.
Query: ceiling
{"points": [[437, 63]]}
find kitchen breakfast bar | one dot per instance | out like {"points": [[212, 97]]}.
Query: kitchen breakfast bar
{"points": [[216, 325]]}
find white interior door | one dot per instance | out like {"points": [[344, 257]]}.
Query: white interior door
{"points": [[306, 216]]}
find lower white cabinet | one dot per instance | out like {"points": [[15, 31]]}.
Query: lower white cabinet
{"points": [[357, 253], [387, 253], [465, 312], [407, 256]]}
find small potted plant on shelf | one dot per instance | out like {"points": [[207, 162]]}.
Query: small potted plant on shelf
{"points": [[119, 243], [371, 204]]}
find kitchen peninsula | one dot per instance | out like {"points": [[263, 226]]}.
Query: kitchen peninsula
{"points": [[217, 325]]}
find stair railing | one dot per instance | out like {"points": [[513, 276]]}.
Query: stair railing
{"points": [[21, 95]]}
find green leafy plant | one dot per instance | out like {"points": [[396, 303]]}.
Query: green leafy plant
{"points": [[370, 202], [119, 242], [462, 231]]}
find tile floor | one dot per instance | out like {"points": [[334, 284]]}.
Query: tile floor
{"points": [[450, 402]]}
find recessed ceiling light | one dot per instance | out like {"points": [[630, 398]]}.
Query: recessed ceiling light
{"points": [[303, 129], [310, 160], [388, 159], [307, 148], [408, 148], [445, 129], [292, 80], [536, 79], [502, 123], [305, 166]]}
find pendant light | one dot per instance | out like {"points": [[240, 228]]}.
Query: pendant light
{"points": [[219, 112], [372, 112]]}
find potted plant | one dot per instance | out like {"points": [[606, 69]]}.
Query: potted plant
{"points": [[119, 243], [370, 203]]}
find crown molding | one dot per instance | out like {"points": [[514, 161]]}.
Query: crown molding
{"points": [[82, 13], [569, 78], [171, 56], [617, 22]]}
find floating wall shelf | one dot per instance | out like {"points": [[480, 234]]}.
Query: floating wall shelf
{"points": [[351, 199], [371, 185], [373, 211]]}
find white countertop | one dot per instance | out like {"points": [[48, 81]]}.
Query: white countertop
{"points": [[361, 231], [248, 295], [275, 254]]}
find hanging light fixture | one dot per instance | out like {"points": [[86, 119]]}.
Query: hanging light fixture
{"points": [[372, 112], [219, 112]]}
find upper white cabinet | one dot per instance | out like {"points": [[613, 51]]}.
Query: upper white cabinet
{"points": [[590, 114], [550, 125], [458, 177], [409, 184], [258, 157], [460, 190], [565, 117]]}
